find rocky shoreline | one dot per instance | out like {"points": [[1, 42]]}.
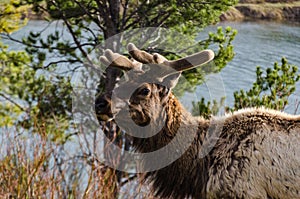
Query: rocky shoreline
{"points": [[273, 10]]}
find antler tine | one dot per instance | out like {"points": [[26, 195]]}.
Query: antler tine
{"points": [[140, 55], [191, 61], [159, 59], [182, 64], [116, 60], [104, 60]]}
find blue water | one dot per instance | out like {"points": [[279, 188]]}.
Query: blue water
{"points": [[257, 44]]}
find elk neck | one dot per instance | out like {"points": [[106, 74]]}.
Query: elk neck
{"points": [[175, 179]]}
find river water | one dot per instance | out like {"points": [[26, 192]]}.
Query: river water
{"points": [[257, 43]]}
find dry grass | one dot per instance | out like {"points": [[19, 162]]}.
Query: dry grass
{"points": [[31, 166], [262, 10], [271, 11], [232, 14], [271, 5]]}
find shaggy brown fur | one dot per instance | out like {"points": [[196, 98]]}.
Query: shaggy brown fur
{"points": [[256, 154]]}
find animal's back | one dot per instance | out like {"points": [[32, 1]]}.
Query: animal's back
{"points": [[256, 156]]}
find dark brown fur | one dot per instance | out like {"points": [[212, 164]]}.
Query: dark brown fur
{"points": [[256, 153]]}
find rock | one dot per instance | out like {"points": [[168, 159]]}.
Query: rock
{"points": [[264, 11], [232, 15], [268, 1], [280, 1], [251, 1], [256, 12], [292, 13]]}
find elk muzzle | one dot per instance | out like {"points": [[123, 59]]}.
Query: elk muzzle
{"points": [[103, 108]]}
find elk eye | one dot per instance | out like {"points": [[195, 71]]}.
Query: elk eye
{"points": [[144, 91]]}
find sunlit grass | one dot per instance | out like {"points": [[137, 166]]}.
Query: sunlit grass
{"points": [[32, 166], [271, 5]]}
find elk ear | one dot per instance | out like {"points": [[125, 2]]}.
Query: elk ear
{"points": [[171, 80]]}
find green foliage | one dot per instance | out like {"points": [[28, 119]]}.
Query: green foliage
{"points": [[222, 42], [208, 109], [187, 16], [10, 13], [271, 89], [225, 53], [30, 98], [12, 63], [89, 22], [135, 14], [38, 46]]}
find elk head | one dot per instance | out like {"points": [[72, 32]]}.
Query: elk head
{"points": [[146, 85]]}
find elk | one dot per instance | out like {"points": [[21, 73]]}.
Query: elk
{"points": [[255, 153]]}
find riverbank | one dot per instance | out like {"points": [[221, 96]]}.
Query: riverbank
{"points": [[272, 10]]}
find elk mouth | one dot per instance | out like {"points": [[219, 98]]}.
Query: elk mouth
{"points": [[103, 110], [107, 108], [105, 117], [109, 115]]}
